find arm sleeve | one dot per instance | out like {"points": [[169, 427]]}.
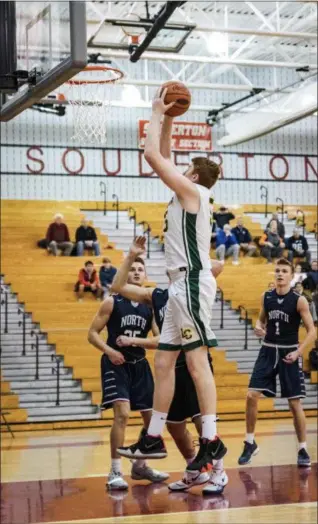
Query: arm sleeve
{"points": [[305, 244], [263, 239], [49, 233], [81, 278], [248, 236], [67, 235], [94, 236]]}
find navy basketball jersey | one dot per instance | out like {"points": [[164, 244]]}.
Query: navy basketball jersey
{"points": [[283, 318], [159, 304], [132, 320]]}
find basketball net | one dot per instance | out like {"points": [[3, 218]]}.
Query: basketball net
{"points": [[89, 95]]}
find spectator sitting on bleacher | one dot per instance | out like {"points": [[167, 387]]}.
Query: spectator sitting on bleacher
{"points": [[280, 225], [311, 282], [244, 238], [271, 286], [58, 237], [107, 273], [86, 238], [297, 246], [299, 288], [272, 244], [88, 281], [222, 217], [299, 219], [227, 245], [299, 276]]}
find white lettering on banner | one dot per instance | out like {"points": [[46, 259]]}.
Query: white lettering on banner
{"points": [[45, 160], [188, 136]]}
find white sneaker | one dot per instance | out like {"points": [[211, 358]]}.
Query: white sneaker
{"points": [[147, 473], [193, 478], [116, 481], [235, 263], [216, 484]]}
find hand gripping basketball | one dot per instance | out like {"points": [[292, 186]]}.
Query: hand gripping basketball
{"points": [[158, 104]]}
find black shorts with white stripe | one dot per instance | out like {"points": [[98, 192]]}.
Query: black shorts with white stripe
{"points": [[269, 364], [132, 382]]}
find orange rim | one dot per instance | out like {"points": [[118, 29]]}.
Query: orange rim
{"points": [[100, 69]]}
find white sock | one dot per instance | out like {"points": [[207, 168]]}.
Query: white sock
{"points": [[208, 426], [116, 465], [140, 462], [302, 445], [249, 437], [157, 423], [218, 465], [188, 461]]}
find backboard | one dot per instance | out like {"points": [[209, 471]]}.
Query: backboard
{"points": [[50, 46]]}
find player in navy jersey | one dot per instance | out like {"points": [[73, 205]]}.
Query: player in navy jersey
{"points": [[281, 354], [127, 382], [185, 402]]}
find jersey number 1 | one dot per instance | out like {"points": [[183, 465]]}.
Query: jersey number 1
{"points": [[277, 328]]}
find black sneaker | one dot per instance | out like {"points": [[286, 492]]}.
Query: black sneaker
{"points": [[146, 447], [209, 450], [303, 460], [248, 451]]}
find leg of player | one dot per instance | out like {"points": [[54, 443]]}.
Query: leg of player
{"points": [[140, 469], [184, 442], [152, 445], [218, 478], [296, 408], [210, 444], [117, 437], [250, 446]]}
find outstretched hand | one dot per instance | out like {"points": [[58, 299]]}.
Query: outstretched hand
{"points": [[138, 247], [158, 104]]}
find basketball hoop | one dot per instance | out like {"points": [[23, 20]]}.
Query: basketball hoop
{"points": [[132, 32], [89, 96]]}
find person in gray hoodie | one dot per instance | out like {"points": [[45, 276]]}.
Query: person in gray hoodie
{"points": [[272, 245]]}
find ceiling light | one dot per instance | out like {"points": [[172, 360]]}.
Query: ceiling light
{"points": [[217, 43]]}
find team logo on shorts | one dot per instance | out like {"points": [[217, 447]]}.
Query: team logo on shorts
{"points": [[186, 333]]}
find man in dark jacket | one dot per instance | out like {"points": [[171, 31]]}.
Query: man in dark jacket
{"points": [[222, 217], [58, 237], [244, 238], [297, 246], [280, 225], [86, 238]]}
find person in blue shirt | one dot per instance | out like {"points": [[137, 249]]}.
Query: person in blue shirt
{"points": [[244, 238], [227, 245], [106, 275]]}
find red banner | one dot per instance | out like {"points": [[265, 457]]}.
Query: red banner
{"points": [[186, 136]]}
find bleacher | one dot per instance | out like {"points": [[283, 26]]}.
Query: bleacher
{"points": [[45, 285]]}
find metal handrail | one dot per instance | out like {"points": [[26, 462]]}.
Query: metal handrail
{"points": [[56, 370], [23, 324], [222, 306], [265, 195], [148, 230], [246, 325], [5, 303], [116, 205], [133, 217], [103, 191], [303, 214], [37, 351], [281, 208]]}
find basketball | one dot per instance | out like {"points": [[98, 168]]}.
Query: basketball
{"points": [[178, 93]]}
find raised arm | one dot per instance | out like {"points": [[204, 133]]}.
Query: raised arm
{"points": [[99, 323], [183, 187], [166, 136], [119, 285]]}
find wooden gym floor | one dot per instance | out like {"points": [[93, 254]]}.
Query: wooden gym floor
{"points": [[60, 477]]}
